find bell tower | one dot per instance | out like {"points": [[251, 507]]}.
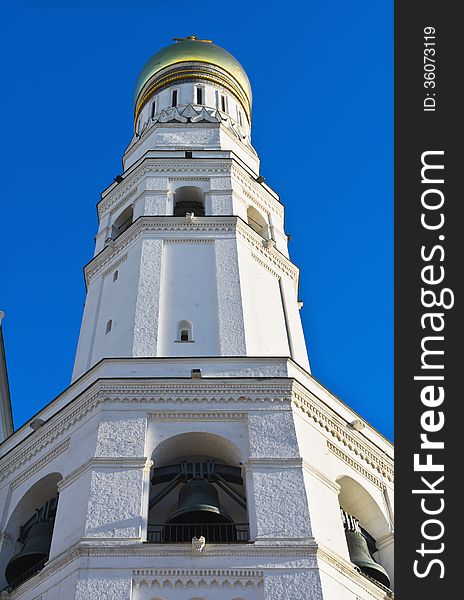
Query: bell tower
{"points": [[196, 453]]}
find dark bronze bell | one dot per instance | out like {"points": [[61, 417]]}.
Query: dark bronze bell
{"points": [[198, 502], [361, 557], [36, 548]]}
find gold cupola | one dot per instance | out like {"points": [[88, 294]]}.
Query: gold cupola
{"points": [[188, 59]]}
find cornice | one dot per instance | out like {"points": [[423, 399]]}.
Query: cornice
{"points": [[274, 257], [254, 192], [197, 579], [355, 465], [114, 265], [203, 393], [348, 569], [198, 416], [48, 433], [40, 463], [230, 550], [336, 427], [156, 167], [157, 224], [268, 256]]}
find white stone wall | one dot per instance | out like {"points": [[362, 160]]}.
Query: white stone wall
{"points": [[100, 445]]}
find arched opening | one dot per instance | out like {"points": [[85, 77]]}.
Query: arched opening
{"points": [[109, 326], [29, 531], [184, 331], [189, 199], [197, 490], [115, 275], [257, 222], [364, 525], [123, 222]]}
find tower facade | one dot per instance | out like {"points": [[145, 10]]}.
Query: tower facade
{"points": [[193, 456]]}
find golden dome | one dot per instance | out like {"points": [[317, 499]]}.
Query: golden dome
{"points": [[192, 49]]}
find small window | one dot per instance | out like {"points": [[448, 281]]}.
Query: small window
{"points": [[115, 275], [184, 331], [199, 91], [153, 109], [174, 98], [109, 325], [239, 114], [223, 103]]}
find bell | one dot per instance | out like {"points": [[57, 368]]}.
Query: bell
{"points": [[199, 514], [198, 502], [35, 548], [361, 557]]}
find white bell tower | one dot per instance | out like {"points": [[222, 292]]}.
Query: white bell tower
{"points": [[191, 256], [193, 456]]}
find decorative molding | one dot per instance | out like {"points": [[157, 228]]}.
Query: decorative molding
{"points": [[265, 266], [160, 225], [190, 113], [273, 256], [198, 416], [198, 579], [114, 266], [334, 425], [117, 199], [254, 191], [116, 207], [159, 393], [155, 167], [188, 241], [355, 465], [40, 463], [49, 432], [348, 569], [203, 72]]}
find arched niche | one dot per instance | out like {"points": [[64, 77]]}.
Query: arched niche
{"points": [[359, 503], [185, 445], [257, 222], [35, 498], [189, 199], [123, 222], [194, 464]]}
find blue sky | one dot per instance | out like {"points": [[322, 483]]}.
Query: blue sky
{"points": [[322, 78]]}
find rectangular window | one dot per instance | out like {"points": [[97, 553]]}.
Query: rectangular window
{"points": [[153, 109], [239, 116], [223, 104], [199, 95], [174, 98]]}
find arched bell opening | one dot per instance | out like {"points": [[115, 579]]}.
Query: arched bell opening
{"points": [[364, 524], [30, 532], [197, 490], [122, 222], [257, 222], [189, 199]]}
